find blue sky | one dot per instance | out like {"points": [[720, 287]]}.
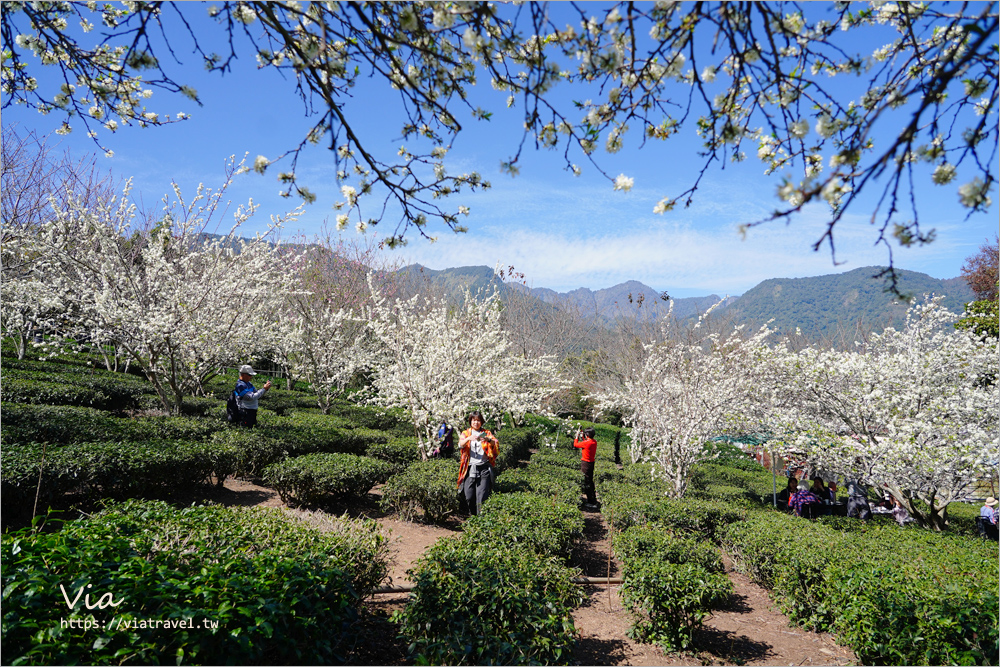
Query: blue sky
{"points": [[561, 231]]}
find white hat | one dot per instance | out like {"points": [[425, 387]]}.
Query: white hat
{"points": [[991, 502], [246, 369]]}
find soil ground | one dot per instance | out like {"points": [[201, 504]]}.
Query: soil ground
{"points": [[750, 631]]}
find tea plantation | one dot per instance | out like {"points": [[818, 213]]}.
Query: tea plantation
{"points": [[118, 567]]}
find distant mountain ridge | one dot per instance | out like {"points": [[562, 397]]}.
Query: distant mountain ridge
{"points": [[631, 299], [819, 306], [822, 304]]}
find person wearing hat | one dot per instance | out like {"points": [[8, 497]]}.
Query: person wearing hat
{"points": [[989, 510], [248, 396]]}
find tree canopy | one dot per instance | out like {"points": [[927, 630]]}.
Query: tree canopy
{"points": [[780, 80]]}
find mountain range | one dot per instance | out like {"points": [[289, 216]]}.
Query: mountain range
{"points": [[820, 307]]}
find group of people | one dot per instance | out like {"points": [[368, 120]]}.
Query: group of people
{"points": [[478, 447], [801, 498], [798, 496]]}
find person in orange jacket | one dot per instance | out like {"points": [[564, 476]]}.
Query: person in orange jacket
{"points": [[588, 450], [478, 449]]}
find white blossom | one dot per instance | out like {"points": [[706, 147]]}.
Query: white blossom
{"points": [[623, 182]]}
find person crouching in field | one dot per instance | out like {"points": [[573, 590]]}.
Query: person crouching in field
{"points": [[478, 449], [585, 442], [248, 396]]}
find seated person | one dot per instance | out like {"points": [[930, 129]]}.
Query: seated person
{"points": [[802, 499], [819, 489], [989, 510], [899, 512], [786, 493]]}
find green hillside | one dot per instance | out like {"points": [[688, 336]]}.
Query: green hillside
{"points": [[822, 305]]}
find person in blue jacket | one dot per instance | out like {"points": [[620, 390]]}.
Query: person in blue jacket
{"points": [[248, 396]]}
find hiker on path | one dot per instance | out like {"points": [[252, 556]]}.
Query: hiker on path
{"points": [[585, 442], [478, 449]]}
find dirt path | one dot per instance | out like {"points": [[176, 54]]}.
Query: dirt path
{"points": [[752, 631]]}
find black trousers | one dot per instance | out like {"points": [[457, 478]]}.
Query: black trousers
{"points": [[587, 468], [477, 487], [249, 418]]}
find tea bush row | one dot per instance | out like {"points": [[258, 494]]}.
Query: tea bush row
{"points": [[400, 452], [113, 469], [315, 479], [500, 594], [515, 447], [68, 424], [108, 391], [671, 584], [543, 480], [279, 591], [544, 525], [426, 488], [896, 596], [278, 438], [627, 505], [475, 603]]}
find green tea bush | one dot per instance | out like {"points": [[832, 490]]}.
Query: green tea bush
{"points": [[480, 604], [545, 481], [896, 596], [118, 391], [316, 478], [252, 450], [645, 542], [69, 424], [626, 505], [728, 494], [671, 584], [758, 482], [108, 470], [428, 486], [400, 452], [635, 474], [547, 527], [515, 446], [278, 591], [671, 600], [52, 393], [564, 458], [962, 519], [304, 433], [391, 421]]}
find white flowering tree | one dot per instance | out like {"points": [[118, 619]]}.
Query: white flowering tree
{"points": [[440, 361], [691, 386], [913, 411], [325, 347], [181, 303], [832, 97], [34, 175]]}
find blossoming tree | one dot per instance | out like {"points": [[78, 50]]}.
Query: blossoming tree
{"points": [[179, 302], [691, 386], [33, 175], [837, 98], [439, 362], [913, 412]]}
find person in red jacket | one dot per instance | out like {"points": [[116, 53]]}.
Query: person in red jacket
{"points": [[588, 449]]}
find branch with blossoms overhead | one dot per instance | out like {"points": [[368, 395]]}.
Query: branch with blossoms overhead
{"points": [[780, 80]]}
